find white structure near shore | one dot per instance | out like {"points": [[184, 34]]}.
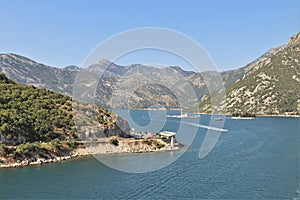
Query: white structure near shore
{"points": [[170, 136]]}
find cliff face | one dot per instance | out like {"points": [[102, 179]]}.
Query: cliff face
{"points": [[269, 85], [119, 127]]}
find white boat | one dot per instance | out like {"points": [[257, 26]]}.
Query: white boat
{"points": [[239, 117], [185, 115]]}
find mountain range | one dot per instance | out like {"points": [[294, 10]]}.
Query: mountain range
{"points": [[145, 86], [267, 85]]}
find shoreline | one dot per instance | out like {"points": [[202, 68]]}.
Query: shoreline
{"points": [[84, 152], [257, 115]]}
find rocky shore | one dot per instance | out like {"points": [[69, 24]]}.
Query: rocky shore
{"points": [[125, 145], [38, 161]]}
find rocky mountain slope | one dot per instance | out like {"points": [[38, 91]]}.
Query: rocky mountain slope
{"points": [[269, 85], [140, 87], [145, 86], [26, 71]]}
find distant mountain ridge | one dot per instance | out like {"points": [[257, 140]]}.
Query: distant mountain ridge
{"points": [[161, 88], [152, 87], [29, 72]]}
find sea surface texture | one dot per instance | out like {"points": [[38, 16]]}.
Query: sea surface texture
{"points": [[255, 159]]}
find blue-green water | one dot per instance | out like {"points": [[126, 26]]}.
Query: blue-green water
{"points": [[256, 159]]}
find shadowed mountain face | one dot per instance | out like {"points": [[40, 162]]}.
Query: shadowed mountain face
{"points": [[269, 85]]}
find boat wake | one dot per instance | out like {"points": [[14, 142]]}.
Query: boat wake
{"points": [[207, 127], [210, 138]]}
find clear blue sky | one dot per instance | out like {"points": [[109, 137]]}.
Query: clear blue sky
{"points": [[63, 32]]}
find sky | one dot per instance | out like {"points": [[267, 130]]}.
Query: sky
{"points": [[63, 32]]}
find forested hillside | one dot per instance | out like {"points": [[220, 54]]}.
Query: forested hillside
{"points": [[38, 122]]}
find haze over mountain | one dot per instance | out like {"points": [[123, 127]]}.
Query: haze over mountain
{"points": [[275, 75], [145, 86]]}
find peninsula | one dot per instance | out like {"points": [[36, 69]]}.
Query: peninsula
{"points": [[39, 126]]}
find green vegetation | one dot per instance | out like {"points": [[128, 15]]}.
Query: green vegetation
{"points": [[147, 141], [31, 114], [237, 114], [114, 141], [155, 142], [40, 123], [158, 144], [270, 86], [5, 80], [151, 95]]}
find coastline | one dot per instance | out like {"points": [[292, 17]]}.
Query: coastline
{"points": [[39, 161], [257, 115], [102, 149]]}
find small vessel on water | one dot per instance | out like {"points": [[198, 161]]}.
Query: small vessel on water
{"points": [[242, 117], [218, 119], [185, 115]]}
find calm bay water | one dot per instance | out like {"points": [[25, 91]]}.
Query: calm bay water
{"points": [[254, 159]]}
